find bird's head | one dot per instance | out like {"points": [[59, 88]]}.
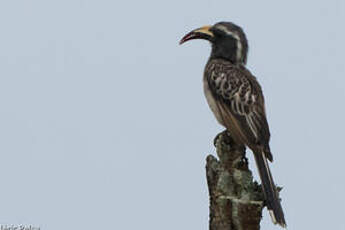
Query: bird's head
{"points": [[228, 41]]}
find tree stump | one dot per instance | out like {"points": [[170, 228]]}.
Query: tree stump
{"points": [[236, 201]]}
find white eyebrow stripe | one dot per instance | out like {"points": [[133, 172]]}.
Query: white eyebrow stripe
{"points": [[237, 38]]}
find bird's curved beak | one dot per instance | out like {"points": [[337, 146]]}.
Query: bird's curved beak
{"points": [[200, 33]]}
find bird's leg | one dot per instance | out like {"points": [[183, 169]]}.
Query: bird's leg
{"points": [[237, 158]]}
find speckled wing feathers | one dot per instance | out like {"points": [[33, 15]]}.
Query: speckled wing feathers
{"points": [[240, 100]]}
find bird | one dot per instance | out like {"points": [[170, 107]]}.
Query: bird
{"points": [[236, 99]]}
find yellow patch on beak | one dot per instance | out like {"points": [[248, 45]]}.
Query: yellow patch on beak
{"points": [[204, 30]]}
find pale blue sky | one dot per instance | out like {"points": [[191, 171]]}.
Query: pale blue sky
{"points": [[103, 122]]}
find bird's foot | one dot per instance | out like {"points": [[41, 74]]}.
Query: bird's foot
{"points": [[215, 140]]}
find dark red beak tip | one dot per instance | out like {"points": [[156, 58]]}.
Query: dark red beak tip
{"points": [[189, 36]]}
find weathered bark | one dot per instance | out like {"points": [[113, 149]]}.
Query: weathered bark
{"points": [[236, 201]]}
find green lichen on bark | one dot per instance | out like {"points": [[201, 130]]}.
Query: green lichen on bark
{"points": [[236, 201]]}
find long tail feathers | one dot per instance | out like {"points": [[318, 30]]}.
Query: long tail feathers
{"points": [[272, 200]]}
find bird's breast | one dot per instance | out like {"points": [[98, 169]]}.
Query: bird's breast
{"points": [[212, 102]]}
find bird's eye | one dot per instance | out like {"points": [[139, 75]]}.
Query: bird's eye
{"points": [[218, 32]]}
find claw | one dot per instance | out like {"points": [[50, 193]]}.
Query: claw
{"points": [[215, 140]]}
